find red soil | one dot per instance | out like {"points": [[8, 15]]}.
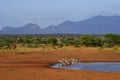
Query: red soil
{"points": [[35, 65]]}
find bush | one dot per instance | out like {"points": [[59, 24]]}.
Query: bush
{"points": [[60, 45], [51, 40], [89, 40], [5, 47], [107, 45], [115, 39], [30, 46]]}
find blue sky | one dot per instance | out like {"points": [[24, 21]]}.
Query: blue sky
{"points": [[51, 12]]}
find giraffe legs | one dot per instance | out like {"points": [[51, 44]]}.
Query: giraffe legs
{"points": [[12, 51]]}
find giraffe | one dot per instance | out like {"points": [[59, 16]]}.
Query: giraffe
{"points": [[13, 46]]}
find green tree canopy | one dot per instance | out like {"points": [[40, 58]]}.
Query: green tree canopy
{"points": [[89, 40]]}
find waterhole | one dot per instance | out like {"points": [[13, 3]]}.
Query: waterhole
{"points": [[93, 66]]}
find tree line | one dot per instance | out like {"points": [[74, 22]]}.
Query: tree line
{"points": [[107, 40]]}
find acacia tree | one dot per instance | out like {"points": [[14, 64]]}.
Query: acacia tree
{"points": [[89, 40], [109, 40], [5, 42], [68, 40], [52, 40], [115, 39]]}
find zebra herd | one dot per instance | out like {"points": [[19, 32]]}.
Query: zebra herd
{"points": [[68, 62]]}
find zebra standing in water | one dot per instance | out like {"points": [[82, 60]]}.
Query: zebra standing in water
{"points": [[68, 62]]}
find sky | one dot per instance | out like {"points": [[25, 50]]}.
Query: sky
{"points": [[17, 13]]}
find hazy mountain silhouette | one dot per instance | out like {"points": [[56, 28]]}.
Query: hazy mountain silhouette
{"points": [[94, 25], [26, 29]]}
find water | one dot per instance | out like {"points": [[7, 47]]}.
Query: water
{"points": [[94, 66]]}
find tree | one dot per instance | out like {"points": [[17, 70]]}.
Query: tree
{"points": [[27, 40], [114, 38], [89, 40], [107, 43], [68, 40], [52, 40], [5, 42]]}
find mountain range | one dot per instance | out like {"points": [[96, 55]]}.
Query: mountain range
{"points": [[95, 25]]}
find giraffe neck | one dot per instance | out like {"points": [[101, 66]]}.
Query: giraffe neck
{"points": [[16, 41]]}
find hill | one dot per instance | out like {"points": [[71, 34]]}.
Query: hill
{"points": [[94, 25]]}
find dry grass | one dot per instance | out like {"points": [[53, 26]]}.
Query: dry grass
{"points": [[49, 48]]}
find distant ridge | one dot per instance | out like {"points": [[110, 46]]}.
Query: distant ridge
{"points": [[95, 25]]}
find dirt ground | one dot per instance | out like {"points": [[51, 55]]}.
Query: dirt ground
{"points": [[34, 65]]}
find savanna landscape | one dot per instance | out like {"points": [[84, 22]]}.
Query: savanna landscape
{"points": [[34, 54], [59, 39]]}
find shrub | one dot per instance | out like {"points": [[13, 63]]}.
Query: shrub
{"points": [[60, 45]]}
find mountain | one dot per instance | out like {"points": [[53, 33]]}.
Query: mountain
{"points": [[7, 28], [26, 29], [29, 29], [65, 27], [95, 25]]}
